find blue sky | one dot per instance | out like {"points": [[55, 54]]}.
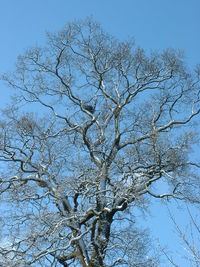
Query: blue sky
{"points": [[155, 24]]}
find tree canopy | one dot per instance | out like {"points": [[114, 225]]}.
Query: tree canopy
{"points": [[96, 128]]}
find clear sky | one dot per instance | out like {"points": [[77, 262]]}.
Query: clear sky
{"points": [[155, 24]]}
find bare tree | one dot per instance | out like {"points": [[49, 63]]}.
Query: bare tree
{"points": [[112, 125]]}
